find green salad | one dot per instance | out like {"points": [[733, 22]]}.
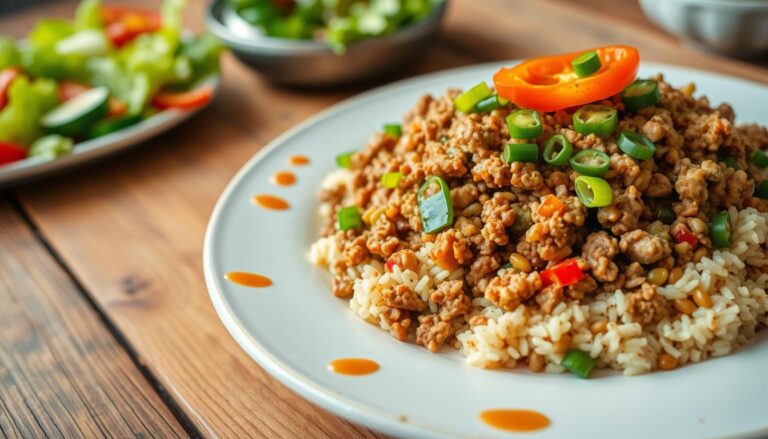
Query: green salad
{"points": [[338, 22], [108, 68]]}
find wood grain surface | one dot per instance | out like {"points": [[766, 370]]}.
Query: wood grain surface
{"points": [[63, 374], [130, 230]]}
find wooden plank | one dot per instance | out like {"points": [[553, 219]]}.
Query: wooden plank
{"points": [[131, 229], [63, 374], [514, 29]]}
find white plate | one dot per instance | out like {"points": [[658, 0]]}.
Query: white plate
{"points": [[84, 152], [294, 328]]}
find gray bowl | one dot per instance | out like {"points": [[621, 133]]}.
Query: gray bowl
{"points": [[313, 63]]}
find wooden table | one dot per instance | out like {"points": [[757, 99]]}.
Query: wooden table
{"points": [[105, 324]]}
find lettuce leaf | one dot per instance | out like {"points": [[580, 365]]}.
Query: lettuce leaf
{"points": [[88, 15], [39, 56], [9, 55], [28, 101]]}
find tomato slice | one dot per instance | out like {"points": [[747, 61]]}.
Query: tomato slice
{"points": [[11, 153], [68, 89], [7, 76], [124, 23], [186, 100], [550, 84]]}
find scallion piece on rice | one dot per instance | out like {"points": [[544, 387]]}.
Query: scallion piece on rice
{"points": [[393, 129], [466, 101], [435, 204], [390, 180], [520, 152], [524, 124], [579, 362], [349, 218], [593, 191], [720, 230], [345, 160]]}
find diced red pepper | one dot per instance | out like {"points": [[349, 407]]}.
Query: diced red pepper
{"points": [[10, 153], [563, 274], [685, 235], [6, 78], [185, 100], [390, 265], [124, 23]]}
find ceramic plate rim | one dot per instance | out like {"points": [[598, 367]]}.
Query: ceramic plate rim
{"points": [[303, 385]]}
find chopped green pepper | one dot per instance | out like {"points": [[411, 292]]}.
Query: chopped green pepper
{"points": [[591, 162], [586, 64], [561, 157], [640, 94], [636, 145], [524, 124], [436, 209], [595, 119], [349, 218], [520, 152], [466, 101], [593, 191]]}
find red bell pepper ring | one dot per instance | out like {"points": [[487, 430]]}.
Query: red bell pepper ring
{"points": [[186, 100], [10, 153], [563, 274], [6, 78], [685, 235]]}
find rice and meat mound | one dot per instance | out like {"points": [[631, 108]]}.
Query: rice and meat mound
{"points": [[512, 265]]}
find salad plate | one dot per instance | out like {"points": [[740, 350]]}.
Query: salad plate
{"points": [[295, 328]]}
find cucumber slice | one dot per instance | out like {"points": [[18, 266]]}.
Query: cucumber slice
{"points": [[74, 116], [108, 126]]}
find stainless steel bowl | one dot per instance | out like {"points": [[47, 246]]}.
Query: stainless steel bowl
{"points": [[313, 63]]}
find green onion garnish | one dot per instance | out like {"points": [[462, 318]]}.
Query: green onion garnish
{"points": [[591, 162], [436, 209], [466, 101], [636, 145], [666, 215], [640, 94], [720, 230], [349, 218], [524, 124], [345, 160], [579, 362], [730, 162], [490, 103], [595, 119], [558, 158], [593, 191], [586, 64], [390, 180], [761, 190], [759, 158], [393, 129], [520, 152]]}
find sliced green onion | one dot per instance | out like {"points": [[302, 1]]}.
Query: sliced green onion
{"points": [[349, 218], [595, 119], [579, 362], [436, 210], [586, 64], [524, 124], [640, 94], [466, 101], [561, 157], [761, 190], [591, 162], [730, 162], [345, 160], [393, 129], [759, 158], [666, 215], [490, 103], [720, 229], [391, 179], [636, 145], [593, 191], [520, 152]]}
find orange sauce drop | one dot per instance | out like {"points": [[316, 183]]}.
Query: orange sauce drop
{"points": [[248, 279], [515, 420], [271, 202], [298, 160], [284, 178], [353, 366]]}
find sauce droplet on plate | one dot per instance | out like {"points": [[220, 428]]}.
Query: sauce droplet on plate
{"points": [[284, 178], [353, 366], [515, 420], [245, 279], [298, 160], [271, 202]]}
